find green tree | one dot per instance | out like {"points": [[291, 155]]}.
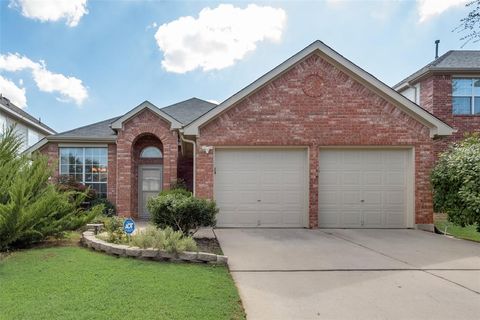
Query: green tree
{"points": [[456, 182], [31, 208]]}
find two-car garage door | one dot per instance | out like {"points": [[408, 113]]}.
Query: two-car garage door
{"points": [[358, 188]]}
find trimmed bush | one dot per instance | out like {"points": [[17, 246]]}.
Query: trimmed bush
{"points": [[456, 182], [181, 211], [31, 208]]}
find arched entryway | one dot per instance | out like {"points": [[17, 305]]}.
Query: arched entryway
{"points": [[148, 172]]}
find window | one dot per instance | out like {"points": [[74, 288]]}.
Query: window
{"points": [[466, 96], [151, 152], [87, 166]]}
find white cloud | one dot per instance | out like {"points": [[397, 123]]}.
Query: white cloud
{"points": [[12, 92], [53, 10], [70, 88], [430, 8], [218, 37]]}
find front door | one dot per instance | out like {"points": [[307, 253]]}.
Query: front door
{"points": [[149, 185]]}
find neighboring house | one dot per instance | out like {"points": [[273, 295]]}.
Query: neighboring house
{"points": [[449, 88], [316, 142], [30, 129]]}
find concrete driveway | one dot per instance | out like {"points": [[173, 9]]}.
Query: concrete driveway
{"points": [[353, 274]]}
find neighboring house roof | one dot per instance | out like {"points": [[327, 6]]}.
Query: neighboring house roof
{"points": [[437, 126], [178, 114], [453, 61], [23, 116]]}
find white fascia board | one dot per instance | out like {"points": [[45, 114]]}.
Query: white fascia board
{"points": [[30, 122], [118, 124], [437, 127]]}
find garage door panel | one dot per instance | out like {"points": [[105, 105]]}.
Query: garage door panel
{"points": [[373, 218], [276, 180], [362, 188]]}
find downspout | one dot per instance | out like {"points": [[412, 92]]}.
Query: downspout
{"points": [[194, 157]]}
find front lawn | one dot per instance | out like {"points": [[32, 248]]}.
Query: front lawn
{"points": [[468, 233], [76, 283]]}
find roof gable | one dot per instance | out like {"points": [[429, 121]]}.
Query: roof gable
{"points": [[437, 127], [174, 123]]}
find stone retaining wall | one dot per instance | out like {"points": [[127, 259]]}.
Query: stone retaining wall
{"points": [[91, 241]]}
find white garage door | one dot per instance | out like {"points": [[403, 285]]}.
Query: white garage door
{"points": [[261, 187], [363, 188]]}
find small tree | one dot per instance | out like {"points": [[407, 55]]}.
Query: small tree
{"points": [[31, 208], [456, 182]]}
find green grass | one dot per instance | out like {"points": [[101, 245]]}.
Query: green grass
{"points": [[76, 283], [468, 233]]}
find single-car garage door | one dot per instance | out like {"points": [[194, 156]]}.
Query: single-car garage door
{"points": [[261, 187], [364, 188]]}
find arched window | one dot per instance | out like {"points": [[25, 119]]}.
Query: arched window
{"points": [[151, 152]]}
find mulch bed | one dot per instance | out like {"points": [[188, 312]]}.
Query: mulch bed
{"points": [[209, 245]]}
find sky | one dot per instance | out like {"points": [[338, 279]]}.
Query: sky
{"points": [[76, 62]]}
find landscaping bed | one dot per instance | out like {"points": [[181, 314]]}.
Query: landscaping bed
{"points": [[92, 241], [74, 283]]}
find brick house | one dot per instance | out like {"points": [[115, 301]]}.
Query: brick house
{"points": [[315, 142], [448, 87]]}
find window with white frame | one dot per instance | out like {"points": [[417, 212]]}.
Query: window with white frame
{"points": [[466, 96], [87, 166]]}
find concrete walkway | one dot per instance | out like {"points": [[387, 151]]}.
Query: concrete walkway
{"points": [[353, 274]]}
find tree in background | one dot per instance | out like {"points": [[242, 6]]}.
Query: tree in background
{"points": [[456, 182], [31, 208], [471, 23]]}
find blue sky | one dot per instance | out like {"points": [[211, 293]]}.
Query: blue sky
{"points": [[75, 65]]}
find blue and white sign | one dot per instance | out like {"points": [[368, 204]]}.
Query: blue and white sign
{"points": [[128, 226]]}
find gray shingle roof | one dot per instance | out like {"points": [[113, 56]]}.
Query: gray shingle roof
{"points": [[453, 60], [189, 110], [185, 112], [98, 129], [9, 105]]}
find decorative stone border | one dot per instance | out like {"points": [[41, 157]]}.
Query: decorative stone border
{"points": [[91, 241]]}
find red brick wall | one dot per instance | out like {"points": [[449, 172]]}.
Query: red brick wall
{"points": [[315, 104], [436, 97], [51, 151], [112, 173], [146, 122]]}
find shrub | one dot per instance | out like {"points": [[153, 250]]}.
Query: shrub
{"points": [[149, 238], [31, 208], [114, 230], [167, 239], [181, 211], [456, 182], [109, 209]]}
